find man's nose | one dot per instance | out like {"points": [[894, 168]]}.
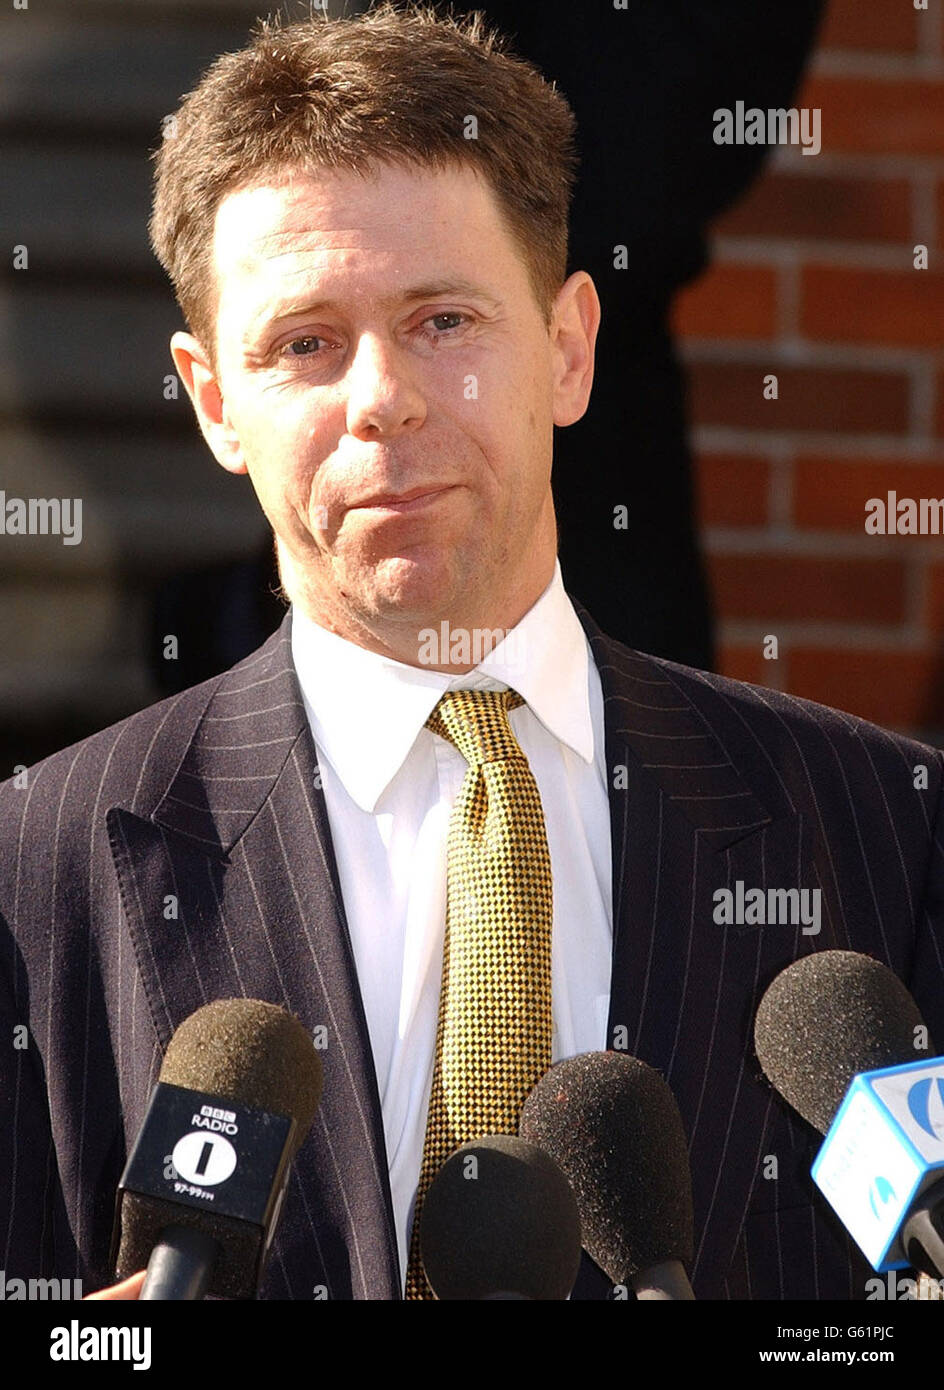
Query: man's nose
{"points": [[383, 396]]}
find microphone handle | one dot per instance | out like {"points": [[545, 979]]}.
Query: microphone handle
{"points": [[180, 1265], [665, 1282], [922, 1235]]}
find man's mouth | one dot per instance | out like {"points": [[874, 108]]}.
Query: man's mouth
{"points": [[411, 501]]}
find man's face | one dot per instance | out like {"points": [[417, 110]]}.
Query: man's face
{"points": [[389, 384]]}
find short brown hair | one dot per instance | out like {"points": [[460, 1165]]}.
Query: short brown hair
{"points": [[393, 85]]}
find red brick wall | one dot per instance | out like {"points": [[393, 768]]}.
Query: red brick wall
{"points": [[813, 280]]}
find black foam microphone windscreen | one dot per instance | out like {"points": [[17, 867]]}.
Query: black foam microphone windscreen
{"points": [[500, 1221], [613, 1126], [250, 1051], [262, 1061], [826, 1018]]}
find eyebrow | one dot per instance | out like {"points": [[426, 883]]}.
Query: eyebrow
{"points": [[432, 289], [435, 289]]}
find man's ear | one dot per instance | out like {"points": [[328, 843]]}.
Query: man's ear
{"points": [[196, 372], [574, 332]]}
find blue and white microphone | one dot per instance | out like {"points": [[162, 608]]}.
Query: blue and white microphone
{"points": [[840, 1037]]}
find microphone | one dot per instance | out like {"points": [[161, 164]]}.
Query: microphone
{"points": [[612, 1124], [836, 1034], [199, 1200], [500, 1222]]}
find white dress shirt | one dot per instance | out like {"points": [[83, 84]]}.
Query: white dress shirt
{"points": [[389, 786]]}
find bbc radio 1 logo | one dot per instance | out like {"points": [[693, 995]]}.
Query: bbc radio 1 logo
{"points": [[207, 1158]]}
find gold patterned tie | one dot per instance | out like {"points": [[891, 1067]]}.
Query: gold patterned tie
{"points": [[493, 1040]]}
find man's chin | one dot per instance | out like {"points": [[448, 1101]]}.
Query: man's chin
{"points": [[396, 597], [409, 588], [410, 591]]}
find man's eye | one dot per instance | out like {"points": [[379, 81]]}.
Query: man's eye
{"points": [[435, 318], [301, 347]]}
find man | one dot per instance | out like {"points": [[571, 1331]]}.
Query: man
{"points": [[366, 227]]}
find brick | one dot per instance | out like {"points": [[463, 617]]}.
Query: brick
{"points": [[827, 208], [934, 605], [729, 301], [844, 304], [936, 260], [810, 398], [732, 489], [933, 614], [802, 587], [889, 26], [830, 494], [743, 662], [878, 116], [900, 689]]}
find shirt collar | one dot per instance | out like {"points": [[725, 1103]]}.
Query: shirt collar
{"points": [[366, 710]]}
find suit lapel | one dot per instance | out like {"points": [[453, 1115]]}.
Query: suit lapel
{"points": [[230, 887], [684, 989]]}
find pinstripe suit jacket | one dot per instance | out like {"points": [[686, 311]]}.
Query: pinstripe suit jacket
{"points": [[211, 800]]}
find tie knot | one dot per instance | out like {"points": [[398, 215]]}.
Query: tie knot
{"points": [[476, 722]]}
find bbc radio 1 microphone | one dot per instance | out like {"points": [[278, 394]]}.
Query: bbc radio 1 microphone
{"points": [[612, 1124], [500, 1222], [840, 1037], [200, 1196]]}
